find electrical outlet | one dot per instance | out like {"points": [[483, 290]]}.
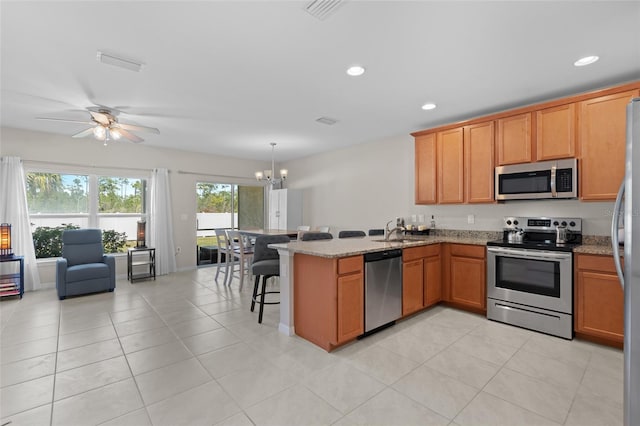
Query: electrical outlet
{"points": [[471, 218]]}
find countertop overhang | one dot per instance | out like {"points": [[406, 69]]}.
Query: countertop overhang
{"points": [[343, 247]]}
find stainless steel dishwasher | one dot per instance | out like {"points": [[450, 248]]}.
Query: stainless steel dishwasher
{"points": [[382, 289]]}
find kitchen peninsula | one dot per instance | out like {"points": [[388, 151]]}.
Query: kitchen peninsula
{"points": [[322, 282]]}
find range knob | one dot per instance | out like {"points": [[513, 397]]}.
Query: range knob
{"points": [[515, 222], [564, 223], [508, 222], [572, 223], [556, 223]]}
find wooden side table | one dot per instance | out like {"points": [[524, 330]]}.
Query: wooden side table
{"points": [[12, 283], [139, 258]]}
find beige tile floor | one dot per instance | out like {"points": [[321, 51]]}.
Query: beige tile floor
{"points": [[185, 350]]}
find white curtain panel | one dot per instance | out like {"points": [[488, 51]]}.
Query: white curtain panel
{"points": [[160, 222], [13, 210]]}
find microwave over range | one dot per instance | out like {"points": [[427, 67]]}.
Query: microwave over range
{"points": [[542, 180]]}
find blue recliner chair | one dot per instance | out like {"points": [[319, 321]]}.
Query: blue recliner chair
{"points": [[84, 268]]}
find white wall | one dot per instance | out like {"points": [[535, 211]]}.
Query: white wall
{"points": [[365, 186]]}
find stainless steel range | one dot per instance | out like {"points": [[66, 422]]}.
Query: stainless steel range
{"points": [[530, 274]]}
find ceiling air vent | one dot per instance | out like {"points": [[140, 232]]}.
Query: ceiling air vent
{"points": [[322, 9], [326, 120]]}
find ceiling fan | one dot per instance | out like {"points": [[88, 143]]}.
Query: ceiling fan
{"points": [[105, 126]]}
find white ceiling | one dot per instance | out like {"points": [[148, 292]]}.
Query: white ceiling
{"points": [[229, 77]]}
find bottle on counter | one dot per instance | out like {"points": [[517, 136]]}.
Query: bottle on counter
{"points": [[433, 222]]}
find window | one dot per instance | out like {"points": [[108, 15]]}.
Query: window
{"points": [[59, 201]]}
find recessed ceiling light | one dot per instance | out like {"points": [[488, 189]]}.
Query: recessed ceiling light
{"points": [[355, 70], [428, 106], [587, 60]]}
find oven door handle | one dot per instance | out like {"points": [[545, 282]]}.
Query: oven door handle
{"points": [[554, 193], [529, 254]]}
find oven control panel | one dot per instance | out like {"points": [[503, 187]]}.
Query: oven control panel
{"points": [[542, 224]]}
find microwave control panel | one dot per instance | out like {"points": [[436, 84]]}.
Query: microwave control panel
{"points": [[564, 182]]}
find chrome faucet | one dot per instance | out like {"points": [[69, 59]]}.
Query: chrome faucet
{"points": [[389, 232]]}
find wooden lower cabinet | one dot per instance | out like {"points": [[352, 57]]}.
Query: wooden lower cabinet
{"points": [[328, 299], [412, 286], [432, 290], [466, 278], [421, 278], [350, 307], [599, 300]]}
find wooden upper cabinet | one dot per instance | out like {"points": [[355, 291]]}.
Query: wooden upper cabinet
{"points": [[479, 162], [450, 165], [556, 132], [602, 135], [425, 173], [514, 139]]}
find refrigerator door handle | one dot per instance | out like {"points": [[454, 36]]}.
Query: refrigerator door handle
{"points": [[614, 234]]}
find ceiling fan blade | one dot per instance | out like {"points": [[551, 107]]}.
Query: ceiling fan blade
{"points": [[83, 133], [128, 135], [100, 117], [65, 120], [138, 128]]}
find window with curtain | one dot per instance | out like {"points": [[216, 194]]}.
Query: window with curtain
{"points": [[59, 201]]}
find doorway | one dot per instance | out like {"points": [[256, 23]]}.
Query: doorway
{"points": [[225, 206]]}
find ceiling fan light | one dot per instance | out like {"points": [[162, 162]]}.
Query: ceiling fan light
{"points": [[99, 133], [115, 134]]}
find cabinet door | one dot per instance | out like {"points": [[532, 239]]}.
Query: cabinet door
{"points": [[479, 162], [412, 284], [432, 280], [350, 307], [467, 286], [600, 305], [602, 135], [450, 166], [425, 147], [555, 132], [514, 139]]}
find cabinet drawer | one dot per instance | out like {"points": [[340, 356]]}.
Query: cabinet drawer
{"points": [[467, 250], [596, 263], [347, 265], [421, 252]]}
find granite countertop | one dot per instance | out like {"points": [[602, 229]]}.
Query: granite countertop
{"points": [[343, 247], [600, 249]]}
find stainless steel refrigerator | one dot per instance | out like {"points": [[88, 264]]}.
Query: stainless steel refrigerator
{"points": [[630, 277]]}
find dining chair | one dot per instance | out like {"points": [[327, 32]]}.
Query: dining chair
{"points": [[242, 251], [301, 230], [224, 249]]}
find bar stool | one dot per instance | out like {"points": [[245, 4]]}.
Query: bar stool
{"points": [[266, 263], [351, 234], [311, 236]]}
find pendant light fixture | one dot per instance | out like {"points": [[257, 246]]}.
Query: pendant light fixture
{"points": [[268, 175]]}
